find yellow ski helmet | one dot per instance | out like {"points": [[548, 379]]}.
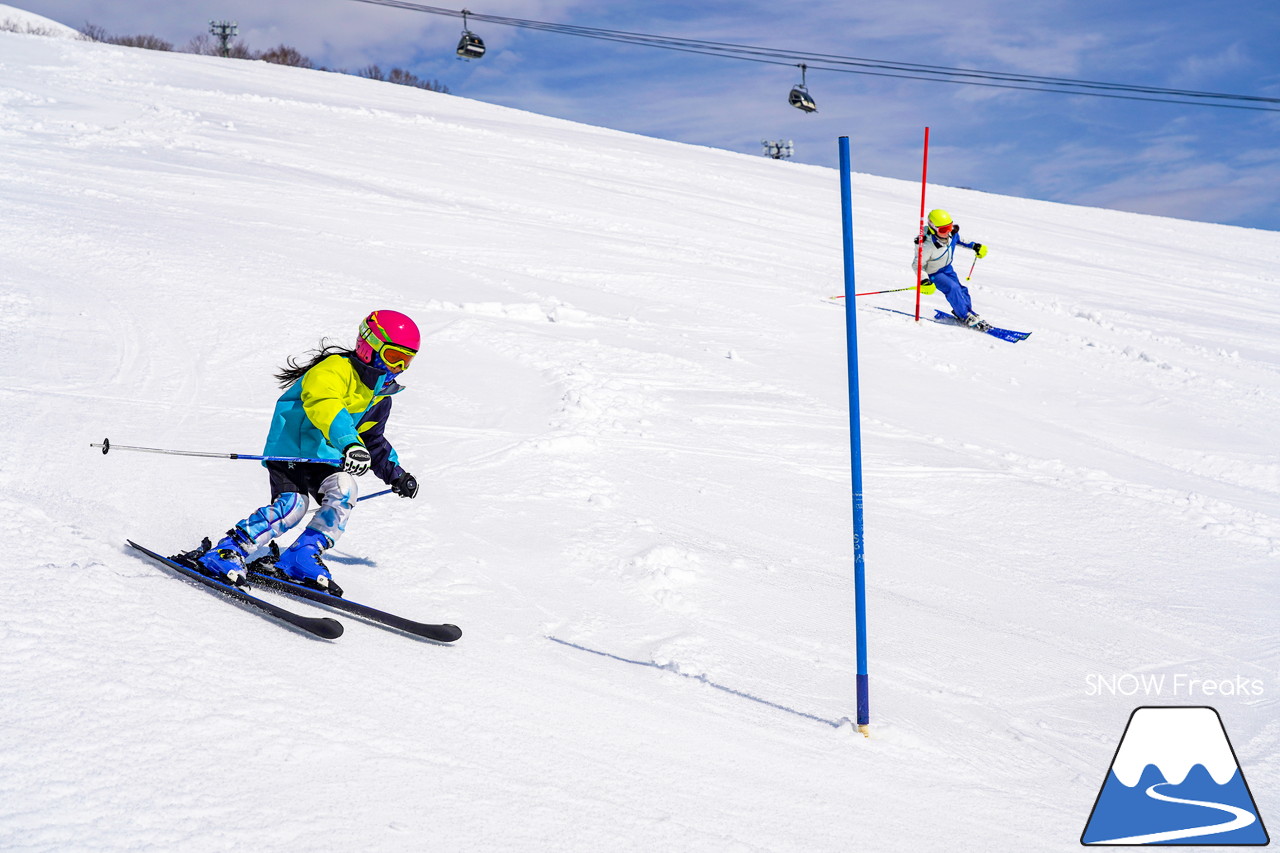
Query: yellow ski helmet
{"points": [[940, 222]]}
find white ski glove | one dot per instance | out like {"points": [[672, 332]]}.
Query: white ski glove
{"points": [[356, 460]]}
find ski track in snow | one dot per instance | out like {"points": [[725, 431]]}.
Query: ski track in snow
{"points": [[630, 424]]}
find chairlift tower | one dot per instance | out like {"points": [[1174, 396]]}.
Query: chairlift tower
{"points": [[225, 32], [780, 150]]}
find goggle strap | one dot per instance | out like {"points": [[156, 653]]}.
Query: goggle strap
{"points": [[378, 345]]}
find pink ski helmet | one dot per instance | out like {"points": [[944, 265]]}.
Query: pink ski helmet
{"points": [[388, 339]]}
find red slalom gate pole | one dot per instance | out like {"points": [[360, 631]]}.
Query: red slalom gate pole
{"points": [[924, 178]]}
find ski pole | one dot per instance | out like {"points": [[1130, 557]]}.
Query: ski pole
{"points": [[874, 292], [971, 266], [106, 446], [375, 495]]}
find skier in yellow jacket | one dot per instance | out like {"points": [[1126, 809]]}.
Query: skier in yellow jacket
{"points": [[335, 407]]}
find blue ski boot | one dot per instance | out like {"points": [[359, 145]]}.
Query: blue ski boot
{"points": [[225, 561], [302, 564]]}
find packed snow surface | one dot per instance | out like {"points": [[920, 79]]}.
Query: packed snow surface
{"points": [[630, 423], [17, 20]]}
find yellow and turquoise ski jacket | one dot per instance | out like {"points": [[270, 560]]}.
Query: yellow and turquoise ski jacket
{"points": [[338, 402]]}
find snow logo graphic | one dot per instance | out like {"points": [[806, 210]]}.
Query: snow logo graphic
{"points": [[1175, 780]]}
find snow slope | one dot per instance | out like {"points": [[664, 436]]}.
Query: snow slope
{"points": [[630, 423], [17, 20]]}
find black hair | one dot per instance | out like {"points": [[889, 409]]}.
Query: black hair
{"points": [[295, 369]]}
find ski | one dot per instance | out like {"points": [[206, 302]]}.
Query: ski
{"points": [[324, 627], [1009, 335], [261, 573]]}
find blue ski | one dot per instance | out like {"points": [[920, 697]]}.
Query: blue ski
{"points": [[322, 626], [1009, 335]]}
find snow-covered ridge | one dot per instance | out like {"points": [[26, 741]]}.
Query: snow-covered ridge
{"points": [[21, 21]]}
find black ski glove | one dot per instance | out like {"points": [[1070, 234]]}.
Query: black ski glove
{"points": [[405, 486]]}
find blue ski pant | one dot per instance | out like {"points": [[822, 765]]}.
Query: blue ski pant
{"points": [[957, 294], [336, 491]]}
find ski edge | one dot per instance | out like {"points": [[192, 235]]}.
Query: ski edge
{"points": [[323, 627]]}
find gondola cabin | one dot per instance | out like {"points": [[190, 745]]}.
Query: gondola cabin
{"points": [[802, 100], [470, 46]]}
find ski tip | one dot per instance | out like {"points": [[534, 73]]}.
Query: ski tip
{"points": [[329, 629], [450, 633]]}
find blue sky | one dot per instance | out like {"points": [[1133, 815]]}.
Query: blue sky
{"points": [[1215, 165]]}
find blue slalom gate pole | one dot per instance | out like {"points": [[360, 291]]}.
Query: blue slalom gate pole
{"points": [[855, 438]]}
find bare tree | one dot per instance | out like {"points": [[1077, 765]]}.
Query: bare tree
{"points": [[238, 49], [285, 55], [201, 44], [402, 78], [205, 45], [93, 32], [144, 42]]}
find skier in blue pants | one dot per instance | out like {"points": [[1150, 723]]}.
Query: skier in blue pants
{"points": [[335, 408], [939, 242]]}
